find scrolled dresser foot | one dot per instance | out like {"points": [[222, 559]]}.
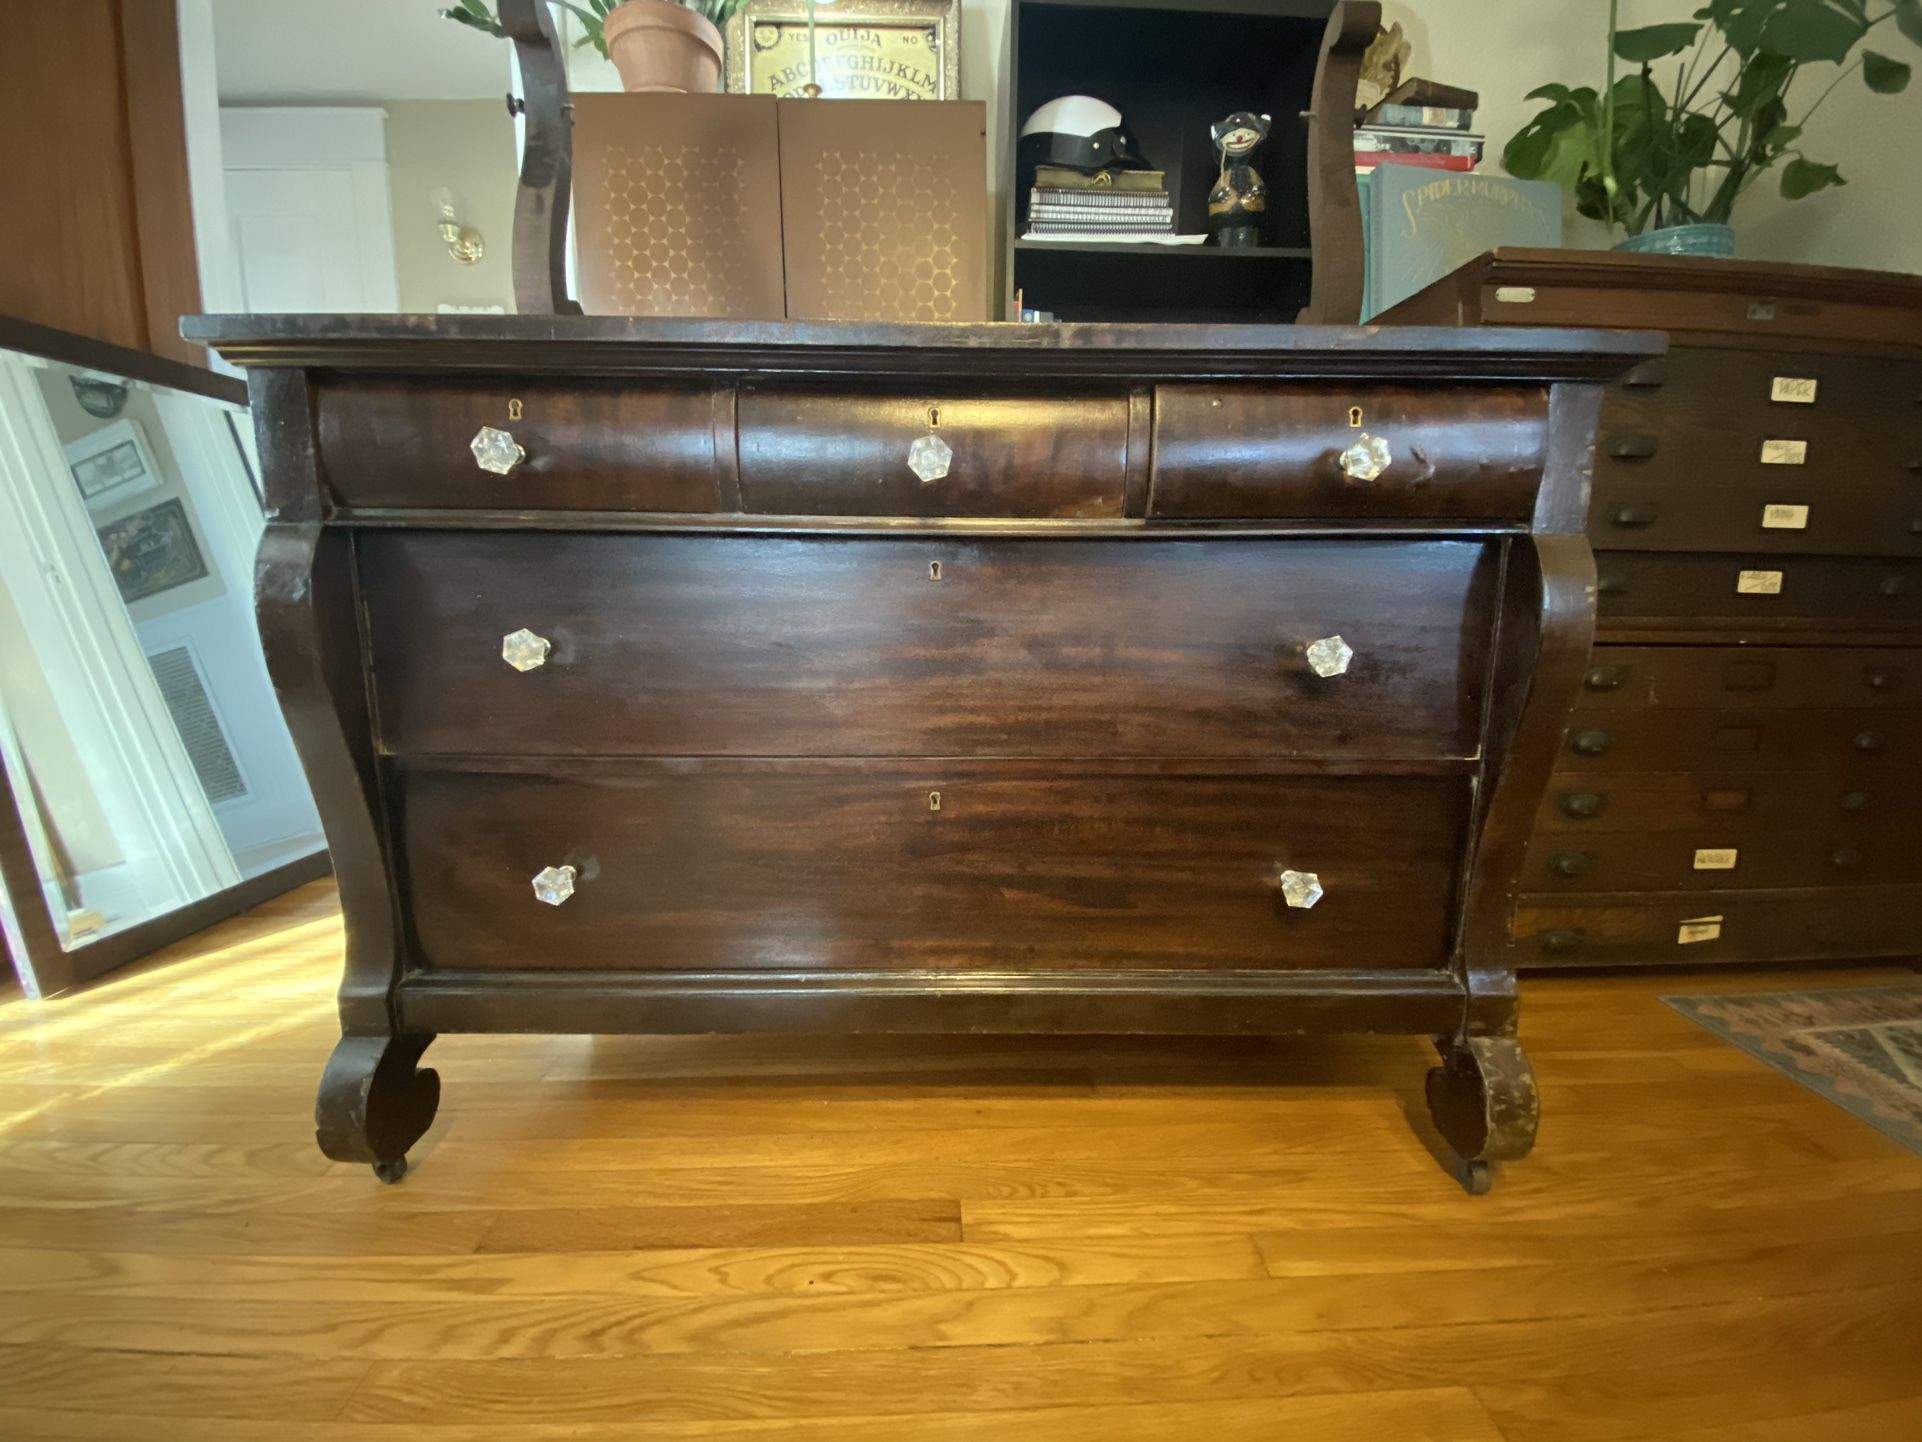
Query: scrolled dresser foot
{"points": [[376, 1101], [1484, 1103]]}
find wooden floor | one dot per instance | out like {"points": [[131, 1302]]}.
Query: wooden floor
{"points": [[1024, 1240]]}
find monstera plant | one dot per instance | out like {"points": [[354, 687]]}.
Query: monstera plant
{"points": [[1707, 109]]}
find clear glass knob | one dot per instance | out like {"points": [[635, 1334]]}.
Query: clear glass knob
{"points": [[554, 884], [525, 651], [496, 450], [1300, 888], [1366, 459], [929, 457], [1329, 656]]}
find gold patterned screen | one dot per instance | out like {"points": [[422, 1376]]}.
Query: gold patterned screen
{"points": [[884, 209], [678, 201]]}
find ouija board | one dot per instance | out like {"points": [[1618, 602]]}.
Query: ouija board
{"points": [[885, 50]]}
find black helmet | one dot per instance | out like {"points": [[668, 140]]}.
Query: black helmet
{"points": [[1081, 133]]}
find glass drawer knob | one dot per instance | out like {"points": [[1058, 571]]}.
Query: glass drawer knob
{"points": [[1329, 656], [554, 884], [1366, 459], [525, 651], [1300, 889], [929, 457], [496, 450]]}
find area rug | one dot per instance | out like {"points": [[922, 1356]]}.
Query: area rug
{"points": [[1860, 1047]]}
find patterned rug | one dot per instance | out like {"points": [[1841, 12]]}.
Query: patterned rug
{"points": [[1861, 1047]]}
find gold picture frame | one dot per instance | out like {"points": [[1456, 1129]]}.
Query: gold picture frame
{"points": [[862, 49]]}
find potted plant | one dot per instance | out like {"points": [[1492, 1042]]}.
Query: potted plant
{"points": [[655, 44], [1667, 168]]}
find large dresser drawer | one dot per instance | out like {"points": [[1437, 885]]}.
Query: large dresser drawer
{"points": [[1751, 677], [744, 867], [692, 645], [847, 454], [1249, 450], [594, 445], [1701, 416], [1785, 739], [1803, 924], [1750, 589]]}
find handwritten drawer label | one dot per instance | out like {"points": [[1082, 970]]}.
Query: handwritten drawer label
{"points": [[1793, 390], [1785, 453], [1780, 517], [1700, 928], [1758, 583], [1715, 858]]}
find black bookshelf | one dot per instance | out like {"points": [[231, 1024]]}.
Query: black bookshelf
{"points": [[1172, 69]]}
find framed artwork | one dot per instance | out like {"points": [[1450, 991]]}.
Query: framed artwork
{"points": [[112, 465], [859, 49], [152, 551]]}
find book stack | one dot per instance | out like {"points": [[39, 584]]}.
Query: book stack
{"points": [[1420, 123], [1108, 205]]}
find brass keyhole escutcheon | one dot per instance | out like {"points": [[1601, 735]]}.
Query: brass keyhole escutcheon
{"points": [[934, 418], [1354, 418], [514, 409], [934, 801], [934, 570]]}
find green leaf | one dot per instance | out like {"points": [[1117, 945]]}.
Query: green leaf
{"points": [[1908, 19], [1780, 137], [1549, 92], [1763, 78], [1813, 30], [1802, 177], [1884, 76], [1652, 42]]}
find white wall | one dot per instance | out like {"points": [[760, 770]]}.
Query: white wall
{"points": [[1505, 48]]}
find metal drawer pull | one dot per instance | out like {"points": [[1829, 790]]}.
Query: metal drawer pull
{"points": [[1580, 805], [1561, 943], [1366, 459], [525, 651], [1588, 743], [1571, 863], [1605, 678], [1633, 448], [496, 450], [1633, 515], [554, 884], [1329, 656], [1300, 889]]}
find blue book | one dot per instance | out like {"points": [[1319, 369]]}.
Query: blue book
{"points": [[1418, 225]]}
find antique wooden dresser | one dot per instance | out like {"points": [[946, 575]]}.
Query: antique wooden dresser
{"points": [[667, 676], [1743, 775]]}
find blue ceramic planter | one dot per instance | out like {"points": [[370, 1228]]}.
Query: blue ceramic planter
{"points": [[1700, 239]]}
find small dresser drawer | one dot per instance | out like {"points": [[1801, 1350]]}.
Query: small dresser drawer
{"points": [[1751, 677], [1794, 519], [586, 445], [1802, 924], [1828, 851], [1001, 868], [1731, 803], [876, 454], [1744, 590], [1703, 416], [1253, 450], [693, 645], [1784, 739]]}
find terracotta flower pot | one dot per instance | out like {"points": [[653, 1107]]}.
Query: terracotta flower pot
{"points": [[657, 45]]}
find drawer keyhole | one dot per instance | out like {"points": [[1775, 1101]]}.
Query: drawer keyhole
{"points": [[934, 570]]}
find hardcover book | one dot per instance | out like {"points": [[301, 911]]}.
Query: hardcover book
{"points": [[1419, 224]]}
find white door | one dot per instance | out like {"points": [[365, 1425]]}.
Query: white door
{"points": [[307, 207]]}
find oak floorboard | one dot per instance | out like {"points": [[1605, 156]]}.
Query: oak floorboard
{"points": [[884, 1239]]}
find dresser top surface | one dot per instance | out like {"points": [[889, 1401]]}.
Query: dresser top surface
{"points": [[622, 343]]}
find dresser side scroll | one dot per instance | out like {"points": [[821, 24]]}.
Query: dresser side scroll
{"points": [[374, 1103]]}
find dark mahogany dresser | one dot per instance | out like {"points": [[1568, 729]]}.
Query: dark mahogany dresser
{"points": [[661, 676], [1742, 779]]}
